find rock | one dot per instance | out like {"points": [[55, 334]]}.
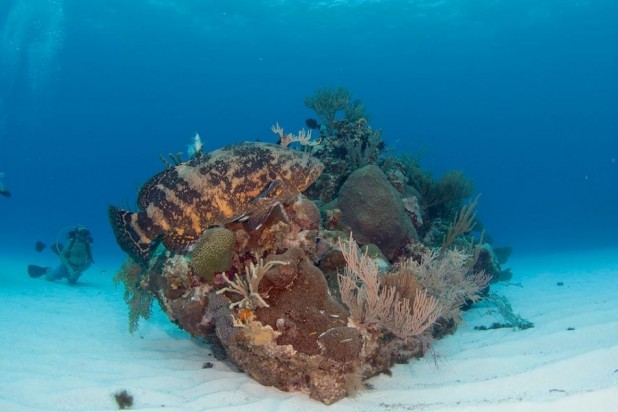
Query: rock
{"points": [[343, 344], [488, 262], [373, 210], [303, 354], [503, 254], [303, 340]]}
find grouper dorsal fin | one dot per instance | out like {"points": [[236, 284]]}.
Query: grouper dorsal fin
{"points": [[145, 193]]}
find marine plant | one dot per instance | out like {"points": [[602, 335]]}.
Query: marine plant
{"points": [[174, 160], [124, 399], [347, 140], [410, 166], [373, 303], [442, 197], [136, 296], [362, 152], [356, 111], [463, 223], [505, 309], [447, 276], [326, 103]]}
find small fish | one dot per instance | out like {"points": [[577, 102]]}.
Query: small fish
{"points": [[195, 148], [312, 123], [242, 181], [39, 246]]}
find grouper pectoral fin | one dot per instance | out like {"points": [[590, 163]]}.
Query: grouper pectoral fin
{"points": [[257, 219], [129, 235], [272, 214], [264, 203], [177, 243], [270, 192]]}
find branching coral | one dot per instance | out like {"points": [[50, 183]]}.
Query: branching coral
{"points": [[463, 223], [326, 103], [247, 286], [175, 160], [361, 152], [446, 276], [443, 196], [373, 303], [356, 111], [303, 137], [506, 310], [439, 197]]}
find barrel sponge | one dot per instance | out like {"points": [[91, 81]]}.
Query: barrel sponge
{"points": [[212, 253]]}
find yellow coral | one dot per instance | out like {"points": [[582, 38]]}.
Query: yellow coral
{"points": [[213, 253], [255, 331]]}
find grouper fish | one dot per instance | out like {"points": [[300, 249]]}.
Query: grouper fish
{"points": [[237, 182]]}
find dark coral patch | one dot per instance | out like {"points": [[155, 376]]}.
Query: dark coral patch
{"points": [[342, 344]]}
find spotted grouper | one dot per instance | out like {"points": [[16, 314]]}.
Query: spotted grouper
{"points": [[242, 181]]}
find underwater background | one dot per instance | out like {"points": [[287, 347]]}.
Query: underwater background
{"points": [[520, 95]]}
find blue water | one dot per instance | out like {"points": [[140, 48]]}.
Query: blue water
{"points": [[521, 95]]}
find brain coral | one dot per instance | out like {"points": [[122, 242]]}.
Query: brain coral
{"points": [[212, 253]]}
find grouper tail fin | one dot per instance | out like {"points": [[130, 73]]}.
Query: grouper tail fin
{"points": [[129, 235]]}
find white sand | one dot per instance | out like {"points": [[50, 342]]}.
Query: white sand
{"points": [[67, 348]]}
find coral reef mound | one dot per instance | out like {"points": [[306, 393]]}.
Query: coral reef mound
{"points": [[280, 286]]}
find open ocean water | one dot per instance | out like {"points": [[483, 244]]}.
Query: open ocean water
{"points": [[522, 96]]}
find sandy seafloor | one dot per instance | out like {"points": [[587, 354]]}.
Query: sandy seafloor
{"points": [[68, 348]]}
